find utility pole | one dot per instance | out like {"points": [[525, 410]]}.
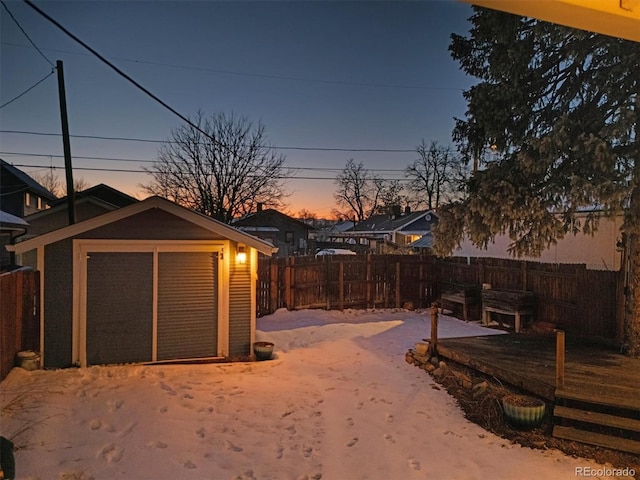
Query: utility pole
{"points": [[66, 145]]}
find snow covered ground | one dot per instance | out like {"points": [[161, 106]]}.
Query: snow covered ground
{"points": [[337, 402]]}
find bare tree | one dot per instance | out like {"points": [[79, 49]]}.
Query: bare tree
{"points": [[51, 181], [361, 194], [436, 176], [224, 173]]}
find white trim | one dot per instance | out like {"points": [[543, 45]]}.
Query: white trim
{"points": [[154, 307], [207, 223], [254, 281], [40, 267], [82, 247]]}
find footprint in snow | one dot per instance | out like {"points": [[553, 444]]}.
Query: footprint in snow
{"points": [[389, 418], [389, 438], [415, 464], [352, 442], [350, 422], [157, 444], [95, 424], [230, 446], [111, 453], [189, 464]]}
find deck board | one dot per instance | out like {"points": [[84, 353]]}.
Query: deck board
{"points": [[528, 361]]}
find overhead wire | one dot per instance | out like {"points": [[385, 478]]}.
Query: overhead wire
{"points": [[26, 35], [129, 170], [265, 75], [143, 160], [28, 89], [147, 140], [122, 74]]}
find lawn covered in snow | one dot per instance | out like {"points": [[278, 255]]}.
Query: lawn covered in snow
{"points": [[337, 402]]}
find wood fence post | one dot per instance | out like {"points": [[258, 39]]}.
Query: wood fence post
{"points": [[273, 285], [433, 342], [288, 283], [327, 283], [421, 292], [560, 359], [368, 280], [398, 297], [341, 286]]}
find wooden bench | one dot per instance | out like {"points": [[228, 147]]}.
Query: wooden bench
{"points": [[518, 303], [460, 293]]}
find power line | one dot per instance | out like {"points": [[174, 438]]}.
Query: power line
{"points": [[265, 75], [28, 89], [140, 160], [128, 139], [25, 34], [128, 170], [121, 73]]}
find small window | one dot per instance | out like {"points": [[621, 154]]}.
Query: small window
{"points": [[27, 199], [39, 203], [288, 238]]}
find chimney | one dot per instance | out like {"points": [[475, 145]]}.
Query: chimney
{"points": [[259, 206], [395, 211], [407, 210]]}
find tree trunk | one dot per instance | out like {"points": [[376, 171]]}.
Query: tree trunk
{"points": [[632, 314], [632, 287]]}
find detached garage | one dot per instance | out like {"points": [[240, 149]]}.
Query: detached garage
{"points": [[150, 282]]}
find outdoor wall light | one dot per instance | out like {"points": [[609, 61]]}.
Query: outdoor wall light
{"points": [[241, 256]]}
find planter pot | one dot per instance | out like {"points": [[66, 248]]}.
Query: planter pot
{"points": [[28, 360], [422, 348], [263, 350], [523, 411]]}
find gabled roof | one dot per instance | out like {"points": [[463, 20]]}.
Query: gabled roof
{"points": [[102, 192], [29, 182], [263, 217], [150, 203], [11, 222], [408, 223]]}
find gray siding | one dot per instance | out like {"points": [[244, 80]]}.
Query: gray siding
{"points": [[153, 224], [187, 305], [58, 304], [239, 309], [119, 307]]}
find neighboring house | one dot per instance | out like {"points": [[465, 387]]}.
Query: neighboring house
{"points": [[394, 230], [149, 282], [21, 195], [89, 203], [599, 251], [333, 232], [11, 227], [291, 236]]}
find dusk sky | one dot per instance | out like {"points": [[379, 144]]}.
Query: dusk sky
{"points": [[319, 75]]}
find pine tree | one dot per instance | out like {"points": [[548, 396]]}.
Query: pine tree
{"points": [[559, 109]]}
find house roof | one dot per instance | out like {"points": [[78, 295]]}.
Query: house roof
{"points": [[425, 241], [148, 204], [102, 192], [263, 218], [29, 182], [416, 222], [10, 222]]}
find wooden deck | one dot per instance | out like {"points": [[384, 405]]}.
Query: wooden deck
{"points": [[528, 362]]}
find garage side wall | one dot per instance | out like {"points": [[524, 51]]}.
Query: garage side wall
{"points": [[58, 304]]}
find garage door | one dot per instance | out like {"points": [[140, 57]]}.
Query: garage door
{"points": [[119, 307], [187, 305]]}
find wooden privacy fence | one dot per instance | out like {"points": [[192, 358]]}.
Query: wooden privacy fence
{"points": [[588, 302], [575, 299], [350, 281], [19, 316]]}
